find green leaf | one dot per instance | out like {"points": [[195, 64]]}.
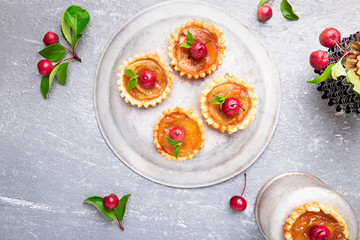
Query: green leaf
{"points": [[176, 151], [52, 75], [354, 79], [172, 142], [120, 209], [185, 45], [44, 86], [54, 52], [130, 72], [75, 40], [262, 2], [98, 203], [65, 28], [218, 100], [338, 70], [62, 73], [77, 18], [287, 10], [190, 38], [325, 75], [133, 82]]}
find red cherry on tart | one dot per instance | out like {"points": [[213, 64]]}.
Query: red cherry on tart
{"points": [[147, 79], [264, 13], [329, 37], [177, 134], [231, 106], [50, 38], [110, 202], [198, 50], [45, 67], [319, 232], [319, 59], [238, 203]]}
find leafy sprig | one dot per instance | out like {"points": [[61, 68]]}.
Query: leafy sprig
{"points": [[116, 214], [218, 100], [285, 7], [190, 40], [133, 78], [73, 22], [176, 145]]}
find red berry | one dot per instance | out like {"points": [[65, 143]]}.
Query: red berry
{"points": [[177, 134], [45, 67], [198, 50], [238, 203], [231, 106], [264, 13], [319, 232], [111, 201], [50, 38], [329, 37], [319, 59], [147, 79]]}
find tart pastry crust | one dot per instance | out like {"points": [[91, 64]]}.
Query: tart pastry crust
{"points": [[227, 79], [210, 62], [314, 207], [162, 68], [188, 133]]}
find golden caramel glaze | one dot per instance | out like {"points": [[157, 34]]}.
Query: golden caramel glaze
{"points": [[229, 90], [139, 95], [303, 218], [181, 58], [301, 227], [232, 87], [192, 126]]}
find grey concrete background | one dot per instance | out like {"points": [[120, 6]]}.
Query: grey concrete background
{"points": [[53, 155]]}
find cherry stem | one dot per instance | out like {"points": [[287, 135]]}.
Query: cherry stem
{"points": [[240, 107], [271, 3], [342, 47], [71, 59], [118, 222], [207, 42], [244, 185], [76, 57]]}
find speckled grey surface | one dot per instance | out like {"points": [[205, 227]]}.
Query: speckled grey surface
{"points": [[53, 155]]}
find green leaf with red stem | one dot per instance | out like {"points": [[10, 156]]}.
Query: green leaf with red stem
{"points": [[262, 2], [190, 40], [338, 70], [120, 209], [287, 10], [354, 79], [53, 52], [62, 73], [98, 203], [44, 86], [52, 75], [75, 40], [325, 75], [133, 78]]}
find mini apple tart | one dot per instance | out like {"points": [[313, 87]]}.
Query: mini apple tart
{"points": [[179, 134], [228, 103], [145, 80], [196, 49], [315, 221]]}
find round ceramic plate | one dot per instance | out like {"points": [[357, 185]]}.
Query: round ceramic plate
{"points": [[128, 130]]}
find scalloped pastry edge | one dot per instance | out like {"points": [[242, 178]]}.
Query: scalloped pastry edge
{"points": [[228, 79], [175, 37], [190, 113], [123, 89], [314, 207]]}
